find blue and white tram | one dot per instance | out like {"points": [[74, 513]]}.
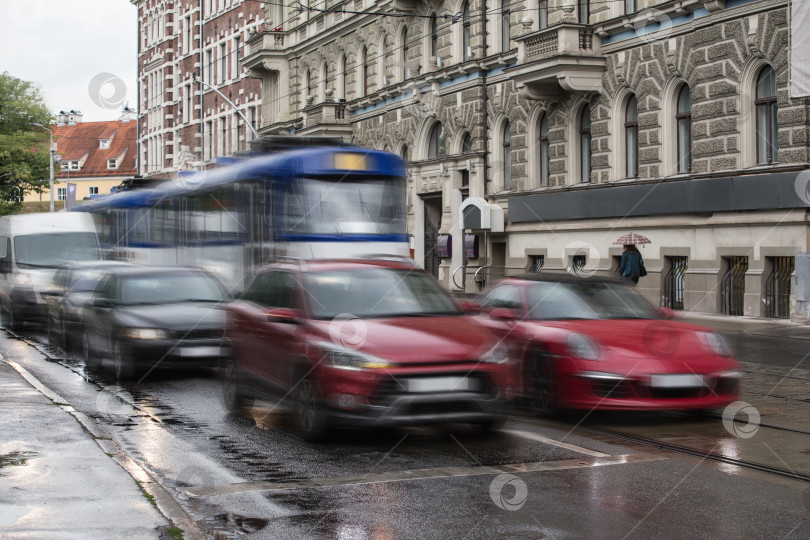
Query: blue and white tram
{"points": [[304, 202]]}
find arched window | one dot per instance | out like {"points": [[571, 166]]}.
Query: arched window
{"points": [[683, 117], [307, 86], [466, 52], [364, 71], [404, 153], [325, 82], [342, 77], [542, 14], [767, 128], [585, 144], [437, 146], [507, 157], [434, 36], [505, 25], [466, 144], [544, 150], [406, 72], [631, 137]]}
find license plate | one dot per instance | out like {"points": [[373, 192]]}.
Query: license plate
{"points": [[442, 384], [679, 380], [199, 352]]}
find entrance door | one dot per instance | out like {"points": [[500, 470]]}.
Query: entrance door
{"points": [[433, 222]]}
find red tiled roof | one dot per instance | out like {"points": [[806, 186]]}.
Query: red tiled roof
{"points": [[74, 142]]}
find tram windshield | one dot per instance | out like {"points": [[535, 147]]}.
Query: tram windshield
{"points": [[348, 206]]}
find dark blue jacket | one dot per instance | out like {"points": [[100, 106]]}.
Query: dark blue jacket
{"points": [[631, 264]]}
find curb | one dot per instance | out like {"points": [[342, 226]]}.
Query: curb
{"points": [[164, 501]]}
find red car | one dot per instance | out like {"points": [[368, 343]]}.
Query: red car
{"points": [[593, 343], [362, 343]]}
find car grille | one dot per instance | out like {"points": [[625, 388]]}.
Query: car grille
{"points": [[200, 333], [391, 387], [629, 389]]}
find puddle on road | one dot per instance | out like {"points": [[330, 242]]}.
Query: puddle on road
{"points": [[16, 458], [233, 526]]}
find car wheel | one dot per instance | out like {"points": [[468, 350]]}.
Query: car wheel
{"points": [[310, 420], [541, 392], [235, 402], [124, 368], [90, 359], [12, 319]]}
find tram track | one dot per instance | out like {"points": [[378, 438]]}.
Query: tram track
{"points": [[703, 454]]}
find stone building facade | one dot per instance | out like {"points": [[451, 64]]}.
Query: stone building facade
{"points": [[183, 122], [544, 130]]}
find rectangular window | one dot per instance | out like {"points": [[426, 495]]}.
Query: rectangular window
{"points": [[543, 14], [536, 263], [223, 63], [112, 163], [629, 6], [61, 194], [209, 66], [236, 55], [584, 11], [104, 144], [92, 190], [187, 36]]}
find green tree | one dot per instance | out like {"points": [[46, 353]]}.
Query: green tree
{"points": [[24, 159]]}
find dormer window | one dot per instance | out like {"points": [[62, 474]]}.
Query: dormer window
{"points": [[112, 163], [104, 144], [72, 165]]}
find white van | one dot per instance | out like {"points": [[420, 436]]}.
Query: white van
{"points": [[32, 247]]}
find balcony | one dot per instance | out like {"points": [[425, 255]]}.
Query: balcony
{"points": [[564, 57], [328, 119], [266, 52]]}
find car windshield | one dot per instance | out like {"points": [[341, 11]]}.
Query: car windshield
{"points": [[52, 250], [170, 288], [586, 300], [85, 280], [376, 292]]}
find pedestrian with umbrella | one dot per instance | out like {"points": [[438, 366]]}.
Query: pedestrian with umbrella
{"points": [[632, 265]]}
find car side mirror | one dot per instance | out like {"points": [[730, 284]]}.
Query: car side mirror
{"points": [[666, 313], [504, 314], [283, 315], [471, 308]]}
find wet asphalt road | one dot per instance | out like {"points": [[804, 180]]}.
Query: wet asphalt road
{"points": [[251, 478]]}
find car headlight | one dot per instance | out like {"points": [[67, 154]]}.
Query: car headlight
{"points": [[716, 343], [348, 359], [582, 346], [498, 354], [146, 333], [22, 280]]}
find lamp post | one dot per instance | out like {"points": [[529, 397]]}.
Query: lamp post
{"points": [[51, 153]]}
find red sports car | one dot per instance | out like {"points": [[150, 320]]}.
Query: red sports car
{"points": [[594, 343], [365, 343]]}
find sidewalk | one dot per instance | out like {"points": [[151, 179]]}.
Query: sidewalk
{"points": [[61, 477], [747, 325]]}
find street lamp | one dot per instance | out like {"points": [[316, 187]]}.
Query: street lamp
{"points": [[51, 153]]}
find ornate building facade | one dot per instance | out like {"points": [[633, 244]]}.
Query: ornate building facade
{"points": [[188, 51], [544, 130]]}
